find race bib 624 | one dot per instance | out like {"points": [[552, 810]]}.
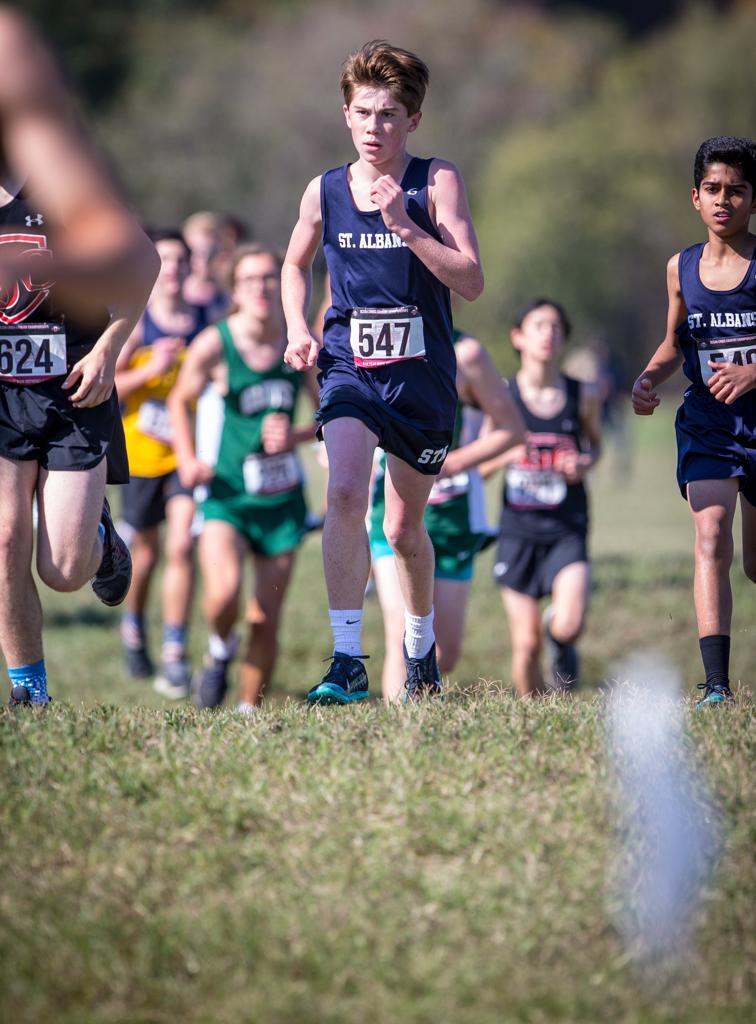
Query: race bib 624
{"points": [[32, 354]]}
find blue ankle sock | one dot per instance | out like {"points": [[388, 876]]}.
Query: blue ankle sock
{"points": [[34, 678], [174, 635]]}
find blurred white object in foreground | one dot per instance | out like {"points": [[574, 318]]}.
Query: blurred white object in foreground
{"points": [[666, 827]]}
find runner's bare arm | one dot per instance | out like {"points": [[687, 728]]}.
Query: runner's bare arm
{"points": [[94, 375], [668, 356], [480, 383], [296, 280], [162, 355], [102, 256], [279, 434], [575, 465], [201, 365], [455, 260]]}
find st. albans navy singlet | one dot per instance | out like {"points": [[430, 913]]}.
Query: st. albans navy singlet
{"points": [[388, 332], [716, 441]]}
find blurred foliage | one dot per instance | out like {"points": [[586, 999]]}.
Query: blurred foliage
{"points": [[589, 208], [575, 138], [241, 120]]}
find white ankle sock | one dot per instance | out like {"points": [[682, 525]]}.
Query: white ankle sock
{"points": [[346, 625], [220, 649], [418, 634]]}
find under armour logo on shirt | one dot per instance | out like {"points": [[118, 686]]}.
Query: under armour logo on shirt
{"points": [[39, 219]]}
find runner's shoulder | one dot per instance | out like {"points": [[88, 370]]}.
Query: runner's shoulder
{"points": [[309, 209]]}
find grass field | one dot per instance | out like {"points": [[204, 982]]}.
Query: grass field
{"points": [[448, 863]]}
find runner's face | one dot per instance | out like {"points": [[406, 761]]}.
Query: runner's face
{"points": [[725, 200], [257, 285], [204, 246], [174, 265], [541, 335], [379, 124]]}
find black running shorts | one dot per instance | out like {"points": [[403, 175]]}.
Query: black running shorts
{"points": [[532, 568], [144, 498], [38, 423], [424, 450]]}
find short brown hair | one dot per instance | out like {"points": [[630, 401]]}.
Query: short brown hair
{"points": [[251, 249], [380, 64]]}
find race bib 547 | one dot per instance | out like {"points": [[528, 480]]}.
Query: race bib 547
{"points": [[382, 336], [726, 350]]}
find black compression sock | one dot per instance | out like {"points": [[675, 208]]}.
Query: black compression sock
{"points": [[715, 653]]}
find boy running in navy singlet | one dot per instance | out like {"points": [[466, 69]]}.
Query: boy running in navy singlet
{"points": [[397, 235], [711, 331]]}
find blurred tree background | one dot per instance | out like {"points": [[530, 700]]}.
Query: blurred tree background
{"points": [[575, 125]]}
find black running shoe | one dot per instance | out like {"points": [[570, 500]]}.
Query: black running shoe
{"points": [[138, 663], [564, 661], [112, 580], [714, 695], [345, 681], [565, 664], [210, 684], [21, 698], [174, 679], [423, 677]]}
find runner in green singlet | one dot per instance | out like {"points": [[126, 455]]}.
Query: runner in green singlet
{"points": [[255, 497]]}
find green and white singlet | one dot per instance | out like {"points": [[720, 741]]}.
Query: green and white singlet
{"points": [[261, 496], [455, 516]]}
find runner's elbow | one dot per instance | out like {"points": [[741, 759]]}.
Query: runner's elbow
{"points": [[473, 286]]}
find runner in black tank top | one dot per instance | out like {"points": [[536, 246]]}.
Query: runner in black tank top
{"points": [[544, 520], [397, 235], [76, 271]]}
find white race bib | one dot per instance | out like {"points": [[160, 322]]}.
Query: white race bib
{"points": [[449, 487], [154, 420], [32, 354], [382, 336], [529, 488], [271, 474], [727, 350]]}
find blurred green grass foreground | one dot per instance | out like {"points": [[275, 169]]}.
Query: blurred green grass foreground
{"points": [[448, 863], [443, 863]]}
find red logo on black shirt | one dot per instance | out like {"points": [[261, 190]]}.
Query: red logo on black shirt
{"points": [[21, 297]]}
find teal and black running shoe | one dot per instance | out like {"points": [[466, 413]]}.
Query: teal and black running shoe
{"points": [[423, 677], [345, 681], [717, 693]]}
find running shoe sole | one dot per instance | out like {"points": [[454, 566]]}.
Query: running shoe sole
{"points": [[328, 693]]}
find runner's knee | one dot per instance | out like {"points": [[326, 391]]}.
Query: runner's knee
{"points": [[526, 643], [347, 499], [65, 571], [713, 539], [405, 536], [567, 625], [179, 546]]}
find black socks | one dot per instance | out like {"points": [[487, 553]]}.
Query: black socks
{"points": [[715, 652]]}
